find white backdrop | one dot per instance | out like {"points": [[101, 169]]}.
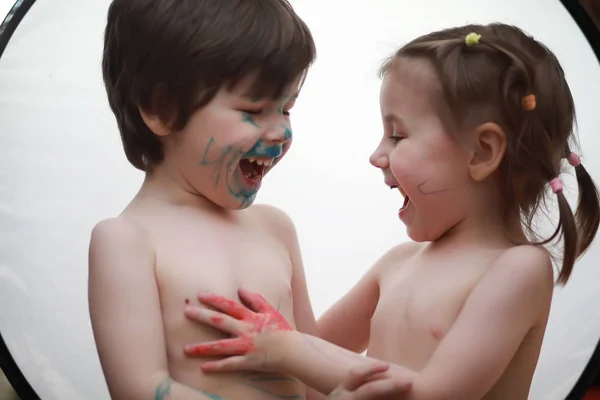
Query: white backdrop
{"points": [[62, 169]]}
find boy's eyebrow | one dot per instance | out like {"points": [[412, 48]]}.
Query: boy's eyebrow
{"points": [[256, 99]]}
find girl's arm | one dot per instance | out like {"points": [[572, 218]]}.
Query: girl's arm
{"points": [[511, 299], [347, 323], [304, 317]]}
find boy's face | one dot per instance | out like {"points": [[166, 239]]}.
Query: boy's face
{"points": [[230, 144]]}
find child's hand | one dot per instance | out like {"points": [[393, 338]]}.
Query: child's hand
{"points": [[370, 382], [251, 349]]}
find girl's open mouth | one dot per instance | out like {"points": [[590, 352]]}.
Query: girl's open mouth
{"points": [[406, 202]]}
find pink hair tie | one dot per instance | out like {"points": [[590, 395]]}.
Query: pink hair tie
{"points": [[574, 160], [556, 185]]}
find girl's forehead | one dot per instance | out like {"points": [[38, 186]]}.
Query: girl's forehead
{"points": [[409, 93]]}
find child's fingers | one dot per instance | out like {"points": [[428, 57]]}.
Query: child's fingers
{"points": [[230, 364], [222, 322], [254, 300], [360, 374], [228, 306], [377, 376], [223, 347]]}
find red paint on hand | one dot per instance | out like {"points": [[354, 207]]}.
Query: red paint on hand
{"points": [[267, 319], [221, 347]]}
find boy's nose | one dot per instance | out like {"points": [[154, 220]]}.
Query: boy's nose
{"points": [[278, 134]]}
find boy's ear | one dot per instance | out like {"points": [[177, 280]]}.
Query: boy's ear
{"points": [[489, 148], [155, 123]]}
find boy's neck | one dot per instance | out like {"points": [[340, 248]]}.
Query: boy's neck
{"points": [[160, 185]]}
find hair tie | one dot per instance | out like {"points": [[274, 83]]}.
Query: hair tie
{"points": [[574, 160], [556, 185], [472, 38], [529, 102]]}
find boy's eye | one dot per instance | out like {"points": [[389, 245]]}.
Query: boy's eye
{"points": [[252, 112], [396, 139], [286, 113]]}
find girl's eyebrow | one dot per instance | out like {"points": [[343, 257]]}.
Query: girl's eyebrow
{"points": [[393, 117]]}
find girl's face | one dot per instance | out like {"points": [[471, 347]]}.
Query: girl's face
{"points": [[417, 154]]}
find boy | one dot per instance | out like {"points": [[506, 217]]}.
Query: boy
{"points": [[201, 91]]}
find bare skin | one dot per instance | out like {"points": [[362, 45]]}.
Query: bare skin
{"points": [[431, 293], [438, 316], [459, 314], [161, 254]]}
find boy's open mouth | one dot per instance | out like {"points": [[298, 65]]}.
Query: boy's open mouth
{"points": [[253, 169]]}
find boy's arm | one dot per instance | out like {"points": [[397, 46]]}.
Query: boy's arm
{"points": [[348, 322], [511, 299], [126, 318]]}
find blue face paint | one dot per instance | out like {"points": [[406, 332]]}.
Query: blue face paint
{"points": [[227, 162], [287, 134], [247, 118], [262, 150]]}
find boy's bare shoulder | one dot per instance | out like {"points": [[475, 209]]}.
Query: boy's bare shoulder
{"points": [[117, 237], [117, 229], [274, 219]]}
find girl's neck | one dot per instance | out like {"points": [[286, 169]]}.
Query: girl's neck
{"points": [[486, 228]]}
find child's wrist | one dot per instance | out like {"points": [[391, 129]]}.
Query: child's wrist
{"points": [[282, 344]]}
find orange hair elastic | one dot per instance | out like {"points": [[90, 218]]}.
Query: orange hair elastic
{"points": [[529, 102]]}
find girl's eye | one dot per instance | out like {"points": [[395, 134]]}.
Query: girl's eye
{"points": [[286, 113], [396, 139]]}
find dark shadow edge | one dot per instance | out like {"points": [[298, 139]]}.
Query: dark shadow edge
{"points": [[14, 375], [586, 24], [7, 363], [591, 33], [585, 381], [14, 22]]}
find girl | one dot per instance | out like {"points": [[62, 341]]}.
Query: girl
{"points": [[477, 123]]}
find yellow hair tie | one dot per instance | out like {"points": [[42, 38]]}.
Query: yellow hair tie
{"points": [[472, 38]]}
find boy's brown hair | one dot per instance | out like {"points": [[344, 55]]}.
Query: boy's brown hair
{"points": [[487, 81], [171, 57]]}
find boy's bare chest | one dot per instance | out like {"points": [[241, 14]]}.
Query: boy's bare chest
{"points": [[195, 256], [209, 255], [220, 259]]}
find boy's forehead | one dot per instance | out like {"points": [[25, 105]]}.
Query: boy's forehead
{"points": [[250, 87]]}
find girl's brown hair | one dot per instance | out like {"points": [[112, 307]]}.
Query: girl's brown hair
{"points": [[487, 81]]}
